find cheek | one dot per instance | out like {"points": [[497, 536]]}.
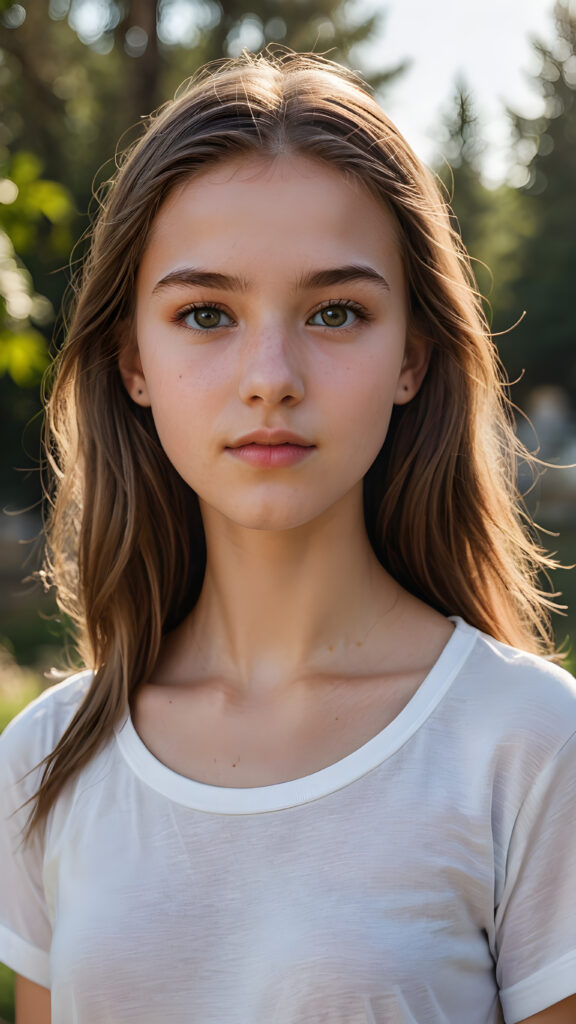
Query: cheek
{"points": [[179, 414], [188, 400], [181, 387], [370, 427], [366, 401]]}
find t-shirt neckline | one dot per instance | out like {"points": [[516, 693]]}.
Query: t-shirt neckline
{"points": [[260, 799]]}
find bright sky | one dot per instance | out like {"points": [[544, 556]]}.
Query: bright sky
{"points": [[488, 41]]}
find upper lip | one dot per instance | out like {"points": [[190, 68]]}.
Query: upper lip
{"points": [[271, 437]]}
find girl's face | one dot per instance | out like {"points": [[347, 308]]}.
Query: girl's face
{"points": [[271, 299]]}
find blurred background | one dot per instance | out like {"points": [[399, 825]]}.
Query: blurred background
{"points": [[486, 94]]}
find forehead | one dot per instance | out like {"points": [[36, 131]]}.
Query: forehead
{"points": [[285, 209]]}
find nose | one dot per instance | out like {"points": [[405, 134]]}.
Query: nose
{"points": [[270, 372]]}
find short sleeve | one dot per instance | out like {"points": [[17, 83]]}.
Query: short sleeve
{"points": [[25, 930], [536, 918]]}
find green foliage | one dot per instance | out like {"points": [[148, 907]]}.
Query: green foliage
{"points": [[11, 705], [35, 216], [41, 210], [36, 213], [6, 994], [23, 355], [18, 686], [23, 351]]}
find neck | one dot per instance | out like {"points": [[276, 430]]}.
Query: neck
{"points": [[276, 605]]}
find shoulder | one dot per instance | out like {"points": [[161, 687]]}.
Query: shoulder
{"points": [[509, 699], [518, 676], [513, 706], [33, 734]]}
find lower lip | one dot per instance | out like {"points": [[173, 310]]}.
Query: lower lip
{"points": [[271, 455]]}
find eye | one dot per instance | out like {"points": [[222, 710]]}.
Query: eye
{"points": [[338, 314], [203, 317]]}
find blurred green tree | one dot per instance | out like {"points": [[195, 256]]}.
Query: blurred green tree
{"points": [[494, 223], [545, 151], [35, 216], [460, 170]]}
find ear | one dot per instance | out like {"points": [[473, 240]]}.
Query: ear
{"points": [[416, 359], [132, 374]]}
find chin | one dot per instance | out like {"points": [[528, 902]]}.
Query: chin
{"points": [[272, 522], [273, 517]]}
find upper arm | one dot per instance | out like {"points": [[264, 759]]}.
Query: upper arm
{"points": [[561, 1013], [32, 1002], [535, 924]]}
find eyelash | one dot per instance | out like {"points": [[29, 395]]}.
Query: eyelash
{"points": [[355, 307], [360, 312], [181, 314]]}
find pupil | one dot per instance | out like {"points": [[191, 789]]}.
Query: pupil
{"points": [[207, 317], [335, 316]]}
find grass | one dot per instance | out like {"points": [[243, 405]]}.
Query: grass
{"points": [[18, 686], [6, 995]]}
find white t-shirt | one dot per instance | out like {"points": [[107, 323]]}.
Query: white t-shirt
{"points": [[428, 877]]}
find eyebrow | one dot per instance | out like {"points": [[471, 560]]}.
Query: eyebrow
{"points": [[203, 278], [340, 275], [313, 279]]}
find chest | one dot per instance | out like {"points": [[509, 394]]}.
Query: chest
{"points": [[199, 734], [321, 912]]}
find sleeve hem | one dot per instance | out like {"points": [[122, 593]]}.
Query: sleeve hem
{"points": [[23, 958], [540, 990]]}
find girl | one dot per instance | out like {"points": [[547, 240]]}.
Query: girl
{"points": [[318, 771]]}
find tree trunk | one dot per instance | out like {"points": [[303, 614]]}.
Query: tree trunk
{"points": [[143, 65]]}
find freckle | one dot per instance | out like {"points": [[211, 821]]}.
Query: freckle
{"points": [[330, 648], [336, 719], [358, 643]]}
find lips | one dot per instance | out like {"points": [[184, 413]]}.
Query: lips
{"points": [[271, 456], [271, 438], [271, 449]]}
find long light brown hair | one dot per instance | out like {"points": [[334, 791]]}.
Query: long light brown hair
{"points": [[125, 543]]}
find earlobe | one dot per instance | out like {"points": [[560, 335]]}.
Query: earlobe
{"points": [[132, 374], [416, 360]]}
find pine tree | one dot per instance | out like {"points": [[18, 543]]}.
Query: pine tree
{"points": [[545, 344], [491, 221], [461, 169]]}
